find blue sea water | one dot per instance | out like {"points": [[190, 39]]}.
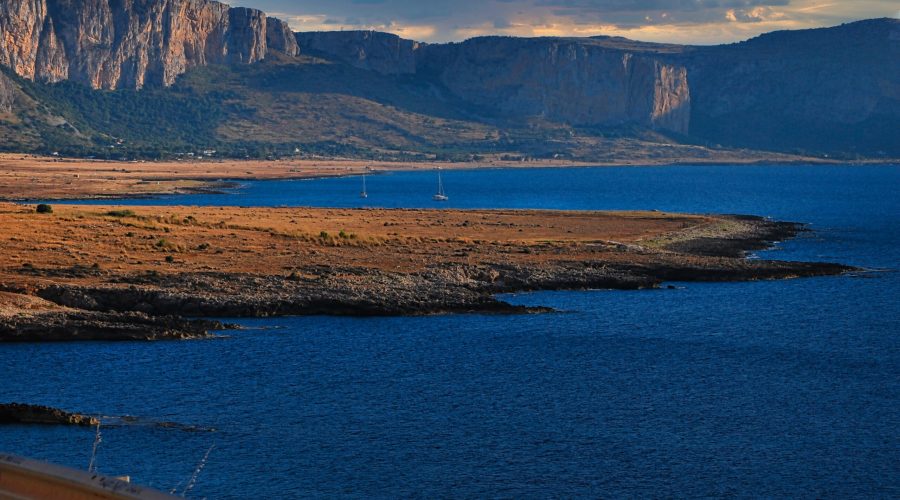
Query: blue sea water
{"points": [[763, 389]]}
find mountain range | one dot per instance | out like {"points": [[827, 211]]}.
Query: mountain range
{"points": [[151, 78]]}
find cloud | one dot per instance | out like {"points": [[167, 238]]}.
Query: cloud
{"points": [[754, 15], [680, 21]]}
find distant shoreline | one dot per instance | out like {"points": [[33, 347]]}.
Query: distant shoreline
{"points": [[29, 177]]}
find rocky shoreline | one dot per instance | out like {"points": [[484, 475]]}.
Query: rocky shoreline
{"points": [[19, 413], [68, 325], [85, 303], [30, 414]]}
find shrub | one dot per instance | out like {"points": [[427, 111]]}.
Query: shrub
{"points": [[120, 213], [170, 258], [43, 208]]}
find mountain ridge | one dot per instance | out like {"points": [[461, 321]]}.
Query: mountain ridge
{"points": [[829, 91]]}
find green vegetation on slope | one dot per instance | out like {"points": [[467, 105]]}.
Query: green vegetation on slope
{"points": [[302, 107], [124, 122]]}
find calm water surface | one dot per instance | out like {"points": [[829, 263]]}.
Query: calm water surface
{"points": [[787, 388]]}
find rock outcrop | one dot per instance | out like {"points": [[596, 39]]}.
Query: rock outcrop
{"points": [[441, 288], [280, 38], [68, 325], [110, 44], [18, 413]]}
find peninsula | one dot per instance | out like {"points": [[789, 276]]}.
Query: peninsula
{"points": [[112, 272]]}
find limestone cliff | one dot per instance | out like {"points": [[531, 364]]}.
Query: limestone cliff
{"points": [[131, 43], [577, 81], [828, 89], [279, 37], [383, 53], [605, 82]]}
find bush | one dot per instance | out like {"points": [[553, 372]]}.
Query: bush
{"points": [[120, 213], [43, 208]]}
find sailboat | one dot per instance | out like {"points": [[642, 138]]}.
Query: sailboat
{"points": [[363, 193], [440, 195]]}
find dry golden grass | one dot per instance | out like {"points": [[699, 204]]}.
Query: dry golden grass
{"points": [[276, 241]]}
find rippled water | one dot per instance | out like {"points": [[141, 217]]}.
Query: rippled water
{"points": [[787, 388]]}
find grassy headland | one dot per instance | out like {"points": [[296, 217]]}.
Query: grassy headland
{"points": [[86, 272]]}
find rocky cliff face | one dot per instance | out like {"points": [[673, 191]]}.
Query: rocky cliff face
{"points": [[380, 52], [826, 89], [810, 91], [280, 38], [131, 43], [580, 82], [830, 89]]}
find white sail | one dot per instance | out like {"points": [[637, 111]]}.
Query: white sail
{"points": [[441, 195]]}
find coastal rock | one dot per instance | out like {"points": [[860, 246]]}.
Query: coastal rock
{"points": [[391, 276], [441, 287], [95, 325], [112, 44], [17, 413]]}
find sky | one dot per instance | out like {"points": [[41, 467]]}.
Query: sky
{"points": [[676, 21]]}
